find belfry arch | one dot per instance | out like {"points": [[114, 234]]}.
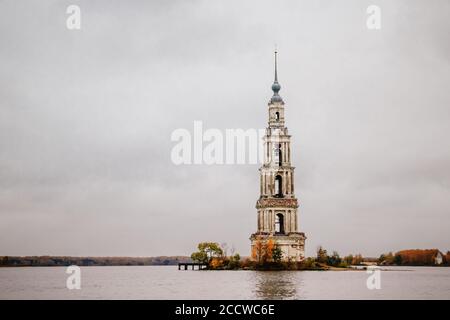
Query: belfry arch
{"points": [[279, 223], [280, 155], [278, 186]]}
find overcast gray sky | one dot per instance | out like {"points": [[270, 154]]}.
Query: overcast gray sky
{"points": [[86, 118]]}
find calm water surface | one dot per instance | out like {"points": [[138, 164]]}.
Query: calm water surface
{"points": [[167, 282]]}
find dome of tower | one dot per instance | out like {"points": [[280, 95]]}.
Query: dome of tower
{"points": [[276, 98], [276, 87]]}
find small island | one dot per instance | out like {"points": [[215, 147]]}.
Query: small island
{"points": [[268, 256]]}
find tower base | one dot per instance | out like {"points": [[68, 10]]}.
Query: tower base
{"points": [[292, 245]]}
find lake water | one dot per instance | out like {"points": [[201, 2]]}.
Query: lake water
{"points": [[167, 282]]}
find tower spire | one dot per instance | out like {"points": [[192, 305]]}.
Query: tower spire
{"points": [[276, 86], [276, 75]]}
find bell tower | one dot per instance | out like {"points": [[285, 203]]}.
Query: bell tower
{"points": [[277, 206]]}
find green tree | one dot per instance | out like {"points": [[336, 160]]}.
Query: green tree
{"points": [[277, 254], [322, 255], [207, 251], [234, 261], [212, 249], [398, 259], [200, 257], [334, 259], [348, 259]]}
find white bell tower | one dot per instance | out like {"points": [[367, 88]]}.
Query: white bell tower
{"points": [[277, 205]]}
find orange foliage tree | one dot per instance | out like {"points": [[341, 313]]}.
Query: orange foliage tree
{"points": [[216, 263], [417, 257], [258, 251], [269, 246], [262, 251]]}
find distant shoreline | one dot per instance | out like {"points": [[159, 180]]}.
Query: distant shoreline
{"points": [[64, 261]]}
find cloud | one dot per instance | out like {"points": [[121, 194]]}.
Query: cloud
{"points": [[86, 118]]}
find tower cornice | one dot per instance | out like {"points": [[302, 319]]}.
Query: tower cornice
{"points": [[277, 203]]}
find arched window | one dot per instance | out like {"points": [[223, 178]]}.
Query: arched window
{"points": [[278, 186], [277, 116], [279, 223], [280, 155]]}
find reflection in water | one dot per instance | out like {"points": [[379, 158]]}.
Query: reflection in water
{"points": [[275, 284]]}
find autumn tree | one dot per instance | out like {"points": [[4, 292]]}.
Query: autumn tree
{"points": [[263, 251], [269, 246], [216, 263], [258, 251], [358, 259], [417, 257]]}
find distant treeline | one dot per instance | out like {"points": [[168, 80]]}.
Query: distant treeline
{"points": [[416, 257], [49, 261]]}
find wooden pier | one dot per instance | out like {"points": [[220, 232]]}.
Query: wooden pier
{"points": [[185, 266]]}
